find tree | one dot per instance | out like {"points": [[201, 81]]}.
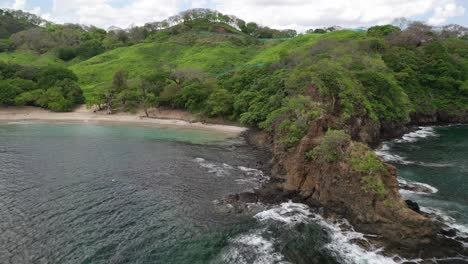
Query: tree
{"points": [[71, 91], [56, 101], [120, 81], [8, 93], [48, 76], [147, 97], [416, 34], [382, 31], [151, 86], [220, 102], [66, 53], [119, 84]]}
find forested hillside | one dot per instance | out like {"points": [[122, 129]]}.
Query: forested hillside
{"points": [[216, 64]]}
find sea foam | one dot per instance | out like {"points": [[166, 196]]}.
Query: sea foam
{"points": [[414, 136], [446, 219], [341, 245], [412, 184]]}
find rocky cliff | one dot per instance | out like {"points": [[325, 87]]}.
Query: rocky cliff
{"points": [[338, 171]]}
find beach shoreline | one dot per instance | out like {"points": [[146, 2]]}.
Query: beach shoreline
{"points": [[84, 115]]}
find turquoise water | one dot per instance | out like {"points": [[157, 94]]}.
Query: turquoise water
{"points": [[87, 193], [438, 157]]}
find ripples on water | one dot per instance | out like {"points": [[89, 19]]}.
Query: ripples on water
{"points": [[435, 158], [103, 194], [117, 194]]}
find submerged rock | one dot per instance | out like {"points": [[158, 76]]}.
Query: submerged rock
{"points": [[416, 188], [413, 206]]}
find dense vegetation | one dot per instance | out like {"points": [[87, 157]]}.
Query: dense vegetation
{"points": [[215, 65], [51, 87]]}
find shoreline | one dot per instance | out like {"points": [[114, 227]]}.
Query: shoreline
{"points": [[83, 115], [272, 193]]}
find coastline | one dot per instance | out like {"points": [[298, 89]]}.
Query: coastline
{"points": [[272, 193], [83, 115]]}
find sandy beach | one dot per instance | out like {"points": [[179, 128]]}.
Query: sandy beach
{"points": [[173, 119]]}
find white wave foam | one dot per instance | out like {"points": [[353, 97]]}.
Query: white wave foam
{"points": [[249, 176], [289, 213], [256, 177], [341, 245], [446, 219], [413, 184], [252, 248], [384, 152], [218, 170], [386, 155], [343, 248], [423, 132]]}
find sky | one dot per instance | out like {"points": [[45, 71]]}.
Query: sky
{"points": [[296, 14]]}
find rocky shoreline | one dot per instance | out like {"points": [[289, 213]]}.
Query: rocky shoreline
{"points": [[406, 232]]}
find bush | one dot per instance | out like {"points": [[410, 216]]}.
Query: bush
{"points": [[71, 91], [220, 102], [365, 161], [387, 98], [49, 76], [382, 31], [8, 93], [66, 53], [56, 102], [31, 98], [374, 185], [331, 147]]}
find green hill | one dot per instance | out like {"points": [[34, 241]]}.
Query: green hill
{"points": [[212, 53], [27, 57]]}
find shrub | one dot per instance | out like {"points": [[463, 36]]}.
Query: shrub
{"points": [[374, 185], [8, 93], [219, 102], [30, 98], [331, 147], [56, 102], [66, 53], [294, 117], [50, 75], [367, 162], [382, 31]]}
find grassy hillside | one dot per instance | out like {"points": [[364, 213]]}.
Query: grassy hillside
{"points": [[31, 58], [212, 53], [300, 44]]}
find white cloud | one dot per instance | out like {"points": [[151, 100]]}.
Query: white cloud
{"points": [[302, 14], [19, 4], [105, 13], [22, 5], [445, 11], [298, 14]]}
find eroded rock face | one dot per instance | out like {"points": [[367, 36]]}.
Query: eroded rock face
{"points": [[438, 118], [358, 186]]}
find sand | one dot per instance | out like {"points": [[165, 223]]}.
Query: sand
{"points": [[82, 114]]}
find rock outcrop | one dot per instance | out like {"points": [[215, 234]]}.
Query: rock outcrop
{"points": [[330, 169]]}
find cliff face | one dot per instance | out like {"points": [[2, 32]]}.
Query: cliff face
{"points": [[330, 169]]}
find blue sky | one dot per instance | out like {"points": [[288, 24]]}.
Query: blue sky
{"points": [[298, 14]]}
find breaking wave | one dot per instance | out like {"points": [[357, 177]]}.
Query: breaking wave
{"points": [[252, 248], [414, 136], [446, 219], [259, 247], [387, 156], [416, 187], [219, 170], [246, 175]]}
